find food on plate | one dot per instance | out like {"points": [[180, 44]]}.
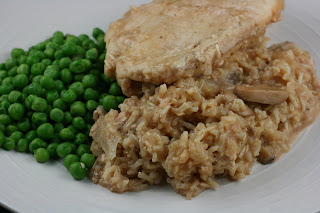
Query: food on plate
{"points": [[224, 101], [48, 96], [164, 41]]}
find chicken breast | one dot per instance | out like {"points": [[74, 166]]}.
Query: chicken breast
{"points": [[167, 40]]}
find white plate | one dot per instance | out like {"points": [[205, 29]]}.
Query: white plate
{"points": [[290, 185]]}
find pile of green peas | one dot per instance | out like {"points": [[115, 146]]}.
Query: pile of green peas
{"points": [[48, 95]]}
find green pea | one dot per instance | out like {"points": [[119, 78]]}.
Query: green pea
{"points": [[83, 37], [65, 62], [5, 119], [92, 54], [22, 59], [58, 37], [23, 145], [16, 52], [60, 104], [88, 160], [78, 170], [28, 101], [24, 125], [52, 71], [16, 136], [24, 96], [87, 63], [69, 48], [58, 127], [11, 128], [58, 85], [80, 138], [106, 80], [70, 159], [3, 74], [115, 89], [51, 96], [36, 79], [64, 149], [86, 44], [2, 128], [49, 53], [38, 69], [72, 38], [83, 148], [46, 62], [37, 143], [120, 99], [23, 69], [91, 105], [52, 45], [77, 66], [62, 92], [78, 77], [15, 97], [66, 134], [72, 129], [4, 98], [77, 87], [2, 138], [97, 32], [9, 144], [57, 115], [110, 102], [69, 96], [67, 118], [31, 135], [100, 42], [66, 76], [41, 155], [13, 71], [58, 54], [10, 63], [47, 82], [31, 48], [39, 118], [2, 66], [20, 80], [32, 60], [40, 46], [89, 81], [37, 53], [78, 123], [45, 131], [52, 149], [25, 91], [6, 88], [7, 80], [4, 106], [78, 108], [16, 111], [91, 94], [48, 109], [39, 104], [35, 89]]}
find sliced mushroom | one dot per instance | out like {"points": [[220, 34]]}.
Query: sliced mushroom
{"points": [[266, 156], [261, 94]]}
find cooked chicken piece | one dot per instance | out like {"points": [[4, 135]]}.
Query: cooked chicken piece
{"points": [[167, 40], [261, 94]]}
